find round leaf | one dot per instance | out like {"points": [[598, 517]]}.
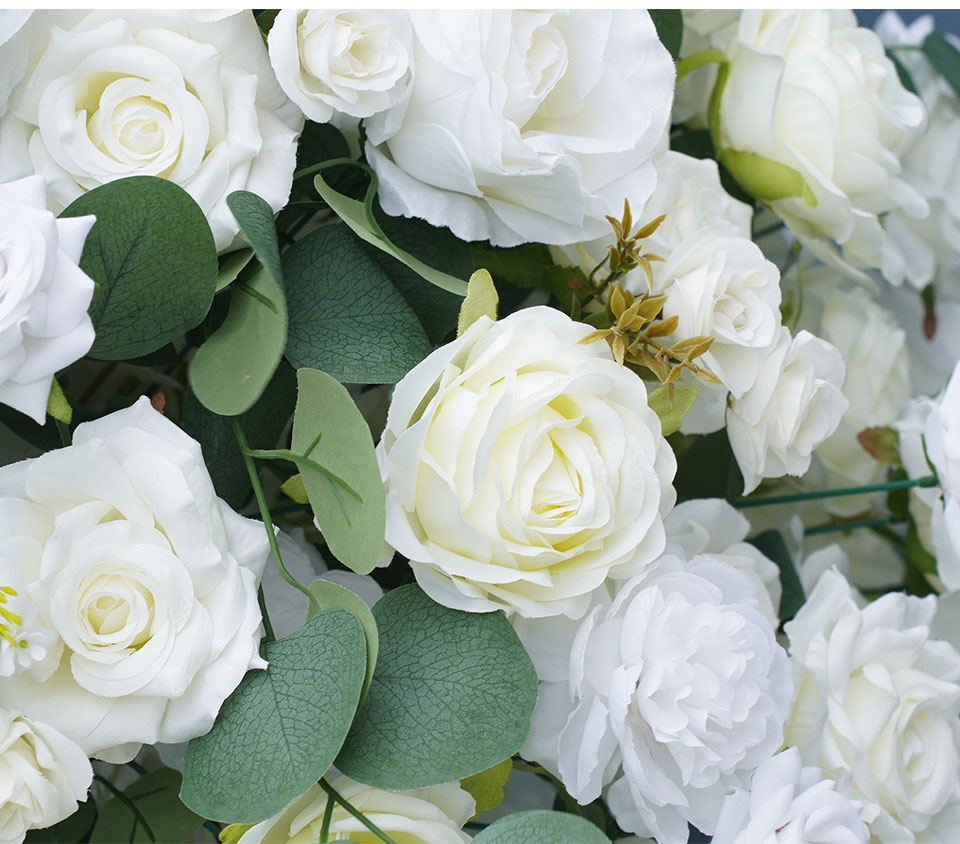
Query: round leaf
{"points": [[541, 827], [279, 731], [452, 695], [153, 258]]}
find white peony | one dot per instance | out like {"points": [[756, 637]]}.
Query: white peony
{"points": [[527, 126], [44, 295], [877, 705], [714, 527], [43, 775], [789, 804], [795, 404], [352, 62], [186, 96], [931, 166], [670, 693], [523, 468], [431, 815], [815, 93], [148, 580]]}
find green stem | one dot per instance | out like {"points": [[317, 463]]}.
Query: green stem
{"points": [[325, 823], [288, 508], [698, 59], [116, 792], [834, 527], [214, 829], [136, 766], [265, 514], [713, 108], [926, 481], [300, 459], [64, 431], [269, 635], [332, 792]]}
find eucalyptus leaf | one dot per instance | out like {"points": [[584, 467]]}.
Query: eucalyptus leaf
{"points": [[452, 695], [68, 831], [331, 595], [346, 316], [669, 24], [155, 796], [671, 409], [945, 58], [231, 265], [255, 217], [279, 731], [481, 301], [329, 430], [153, 258], [541, 827], [771, 543]]}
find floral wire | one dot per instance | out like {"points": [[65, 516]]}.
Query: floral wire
{"points": [[325, 823], [123, 798], [332, 792], [832, 527], [265, 514], [927, 481]]}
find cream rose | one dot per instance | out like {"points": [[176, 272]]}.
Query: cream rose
{"points": [[44, 295], [431, 815], [527, 126], [351, 62], [186, 96], [523, 468], [816, 93], [795, 404], [147, 579], [42, 776], [668, 694], [941, 435], [877, 705]]}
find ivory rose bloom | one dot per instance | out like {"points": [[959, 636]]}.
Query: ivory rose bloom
{"points": [[816, 93], [431, 815], [794, 405], [789, 804], [877, 705], [523, 468], [941, 435], [148, 581], [526, 125], [668, 694], [43, 775], [351, 62], [44, 295], [186, 96]]}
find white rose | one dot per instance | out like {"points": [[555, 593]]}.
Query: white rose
{"points": [[148, 580], [931, 165], [527, 126], [186, 96], [814, 92], [670, 694], [43, 775], [795, 404], [713, 526], [431, 815], [877, 705], [522, 468], [941, 435], [354, 62], [789, 804], [44, 296]]}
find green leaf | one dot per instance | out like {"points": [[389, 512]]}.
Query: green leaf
{"points": [[706, 467], [671, 411], [255, 217], [771, 543], [57, 405], [230, 266], [669, 24], [918, 556], [531, 265], [541, 827], [279, 731], [481, 301], [904, 75], [486, 788], [232, 368], [334, 596], [68, 831], [359, 216], [328, 428], [452, 694], [156, 797], [153, 258], [944, 57], [263, 425], [764, 178], [346, 317], [44, 437], [294, 488]]}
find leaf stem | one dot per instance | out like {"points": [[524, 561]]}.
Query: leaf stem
{"points": [[301, 459], [698, 59], [325, 823], [64, 431], [332, 792], [116, 792], [265, 513], [927, 481], [269, 635], [833, 527]]}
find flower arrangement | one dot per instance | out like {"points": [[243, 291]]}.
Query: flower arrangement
{"points": [[485, 426]]}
